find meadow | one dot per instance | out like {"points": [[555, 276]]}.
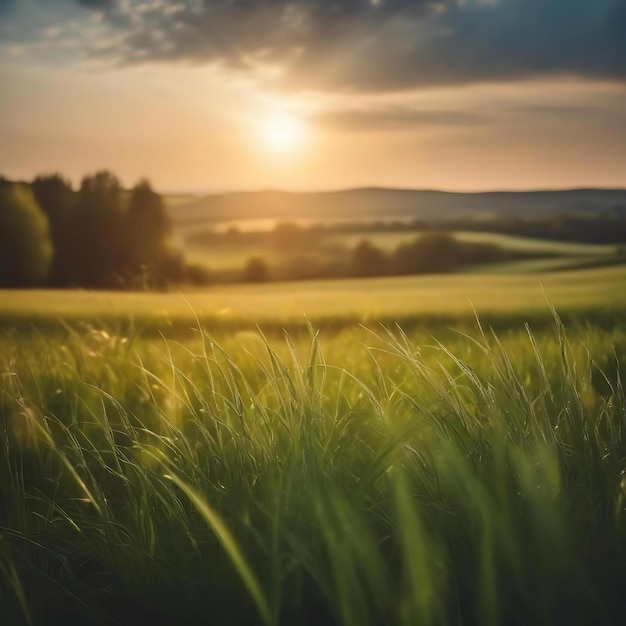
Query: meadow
{"points": [[394, 458], [312, 313], [334, 303]]}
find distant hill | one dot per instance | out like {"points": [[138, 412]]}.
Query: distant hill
{"points": [[370, 203], [379, 203]]}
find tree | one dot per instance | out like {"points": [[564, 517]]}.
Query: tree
{"points": [[148, 229], [436, 252], [368, 260], [256, 270], [25, 248], [56, 198], [99, 234]]}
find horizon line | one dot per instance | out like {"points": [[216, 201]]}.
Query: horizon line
{"points": [[495, 190]]}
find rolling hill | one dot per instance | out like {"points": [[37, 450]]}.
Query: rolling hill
{"points": [[380, 203]]}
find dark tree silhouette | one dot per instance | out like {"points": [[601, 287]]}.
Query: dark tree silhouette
{"points": [[368, 260], [102, 236], [436, 252], [25, 248], [100, 248], [58, 201], [148, 230], [257, 270]]}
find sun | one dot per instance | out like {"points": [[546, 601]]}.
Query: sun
{"points": [[283, 133]]}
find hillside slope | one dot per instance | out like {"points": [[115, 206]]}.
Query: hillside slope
{"points": [[368, 203]]}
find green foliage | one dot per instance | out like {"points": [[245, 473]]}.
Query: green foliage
{"points": [[369, 478], [99, 232], [432, 253], [25, 249], [368, 260], [442, 252], [57, 200], [104, 237], [148, 228]]}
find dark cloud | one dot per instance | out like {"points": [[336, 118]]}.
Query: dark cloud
{"points": [[246, 32], [376, 45], [502, 114], [104, 5], [526, 38], [479, 42]]}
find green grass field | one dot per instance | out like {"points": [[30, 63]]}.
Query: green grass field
{"points": [[340, 301], [164, 462], [390, 240]]}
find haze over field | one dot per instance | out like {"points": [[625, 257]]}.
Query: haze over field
{"points": [[212, 95]]}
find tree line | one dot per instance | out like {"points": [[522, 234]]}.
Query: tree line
{"points": [[103, 236], [430, 253], [601, 227], [97, 236]]}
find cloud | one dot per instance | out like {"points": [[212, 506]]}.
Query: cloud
{"points": [[373, 45], [477, 42], [105, 5], [396, 118], [480, 113]]}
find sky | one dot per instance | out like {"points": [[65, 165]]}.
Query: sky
{"points": [[217, 95]]}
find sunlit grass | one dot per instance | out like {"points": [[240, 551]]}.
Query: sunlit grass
{"points": [[334, 301], [359, 477]]}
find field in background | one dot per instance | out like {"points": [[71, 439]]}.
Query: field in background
{"points": [[249, 213], [335, 301], [228, 253]]}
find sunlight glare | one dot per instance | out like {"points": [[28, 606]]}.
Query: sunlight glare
{"points": [[283, 133]]}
